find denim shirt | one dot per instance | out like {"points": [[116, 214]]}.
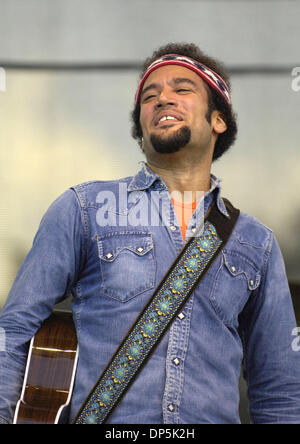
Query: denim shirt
{"points": [[109, 244]]}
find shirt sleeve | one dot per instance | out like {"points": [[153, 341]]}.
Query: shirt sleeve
{"points": [[44, 279], [271, 363]]}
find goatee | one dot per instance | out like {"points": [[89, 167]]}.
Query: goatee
{"points": [[173, 142]]}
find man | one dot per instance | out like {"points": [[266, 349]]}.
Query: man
{"points": [[111, 243]]}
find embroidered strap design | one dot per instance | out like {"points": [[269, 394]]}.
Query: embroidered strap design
{"points": [[168, 299]]}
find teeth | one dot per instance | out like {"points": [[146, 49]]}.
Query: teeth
{"points": [[167, 118]]}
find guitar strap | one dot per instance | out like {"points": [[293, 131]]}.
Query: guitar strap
{"points": [[166, 302]]}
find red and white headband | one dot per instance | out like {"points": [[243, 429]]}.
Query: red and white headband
{"points": [[207, 74]]}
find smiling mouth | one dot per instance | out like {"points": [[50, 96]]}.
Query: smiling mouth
{"points": [[167, 121]]}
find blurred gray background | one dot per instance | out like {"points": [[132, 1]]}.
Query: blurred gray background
{"points": [[70, 72]]}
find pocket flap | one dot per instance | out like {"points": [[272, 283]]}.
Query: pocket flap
{"points": [[111, 245], [238, 265]]}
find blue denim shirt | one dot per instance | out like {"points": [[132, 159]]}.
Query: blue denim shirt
{"points": [[109, 243]]}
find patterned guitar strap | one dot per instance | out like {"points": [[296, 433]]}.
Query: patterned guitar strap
{"points": [[166, 302]]}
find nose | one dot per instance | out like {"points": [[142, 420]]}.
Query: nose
{"points": [[165, 98]]}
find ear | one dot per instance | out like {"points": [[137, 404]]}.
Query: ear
{"points": [[218, 122]]}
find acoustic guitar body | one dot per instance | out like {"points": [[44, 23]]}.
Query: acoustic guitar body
{"points": [[50, 372]]}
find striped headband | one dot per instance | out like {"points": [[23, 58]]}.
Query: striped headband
{"points": [[207, 74]]}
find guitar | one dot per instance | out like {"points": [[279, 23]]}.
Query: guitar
{"points": [[50, 372]]}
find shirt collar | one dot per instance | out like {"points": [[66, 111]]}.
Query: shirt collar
{"points": [[146, 178]]}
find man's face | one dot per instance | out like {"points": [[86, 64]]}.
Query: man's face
{"points": [[173, 111]]}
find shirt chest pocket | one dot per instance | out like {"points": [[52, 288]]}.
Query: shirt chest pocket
{"points": [[127, 264], [233, 283]]}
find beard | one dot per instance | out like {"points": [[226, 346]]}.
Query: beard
{"points": [[171, 143]]}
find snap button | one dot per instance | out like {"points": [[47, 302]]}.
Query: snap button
{"points": [[109, 255], [233, 269], [173, 228], [181, 316], [251, 283], [176, 361], [171, 407], [140, 249]]}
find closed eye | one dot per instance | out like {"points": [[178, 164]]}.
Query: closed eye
{"points": [[148, 97]]}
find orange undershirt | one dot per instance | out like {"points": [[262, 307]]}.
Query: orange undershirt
{"points": [[184, 212]]}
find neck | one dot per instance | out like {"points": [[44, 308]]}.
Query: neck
{"points": [[185, 177]]}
